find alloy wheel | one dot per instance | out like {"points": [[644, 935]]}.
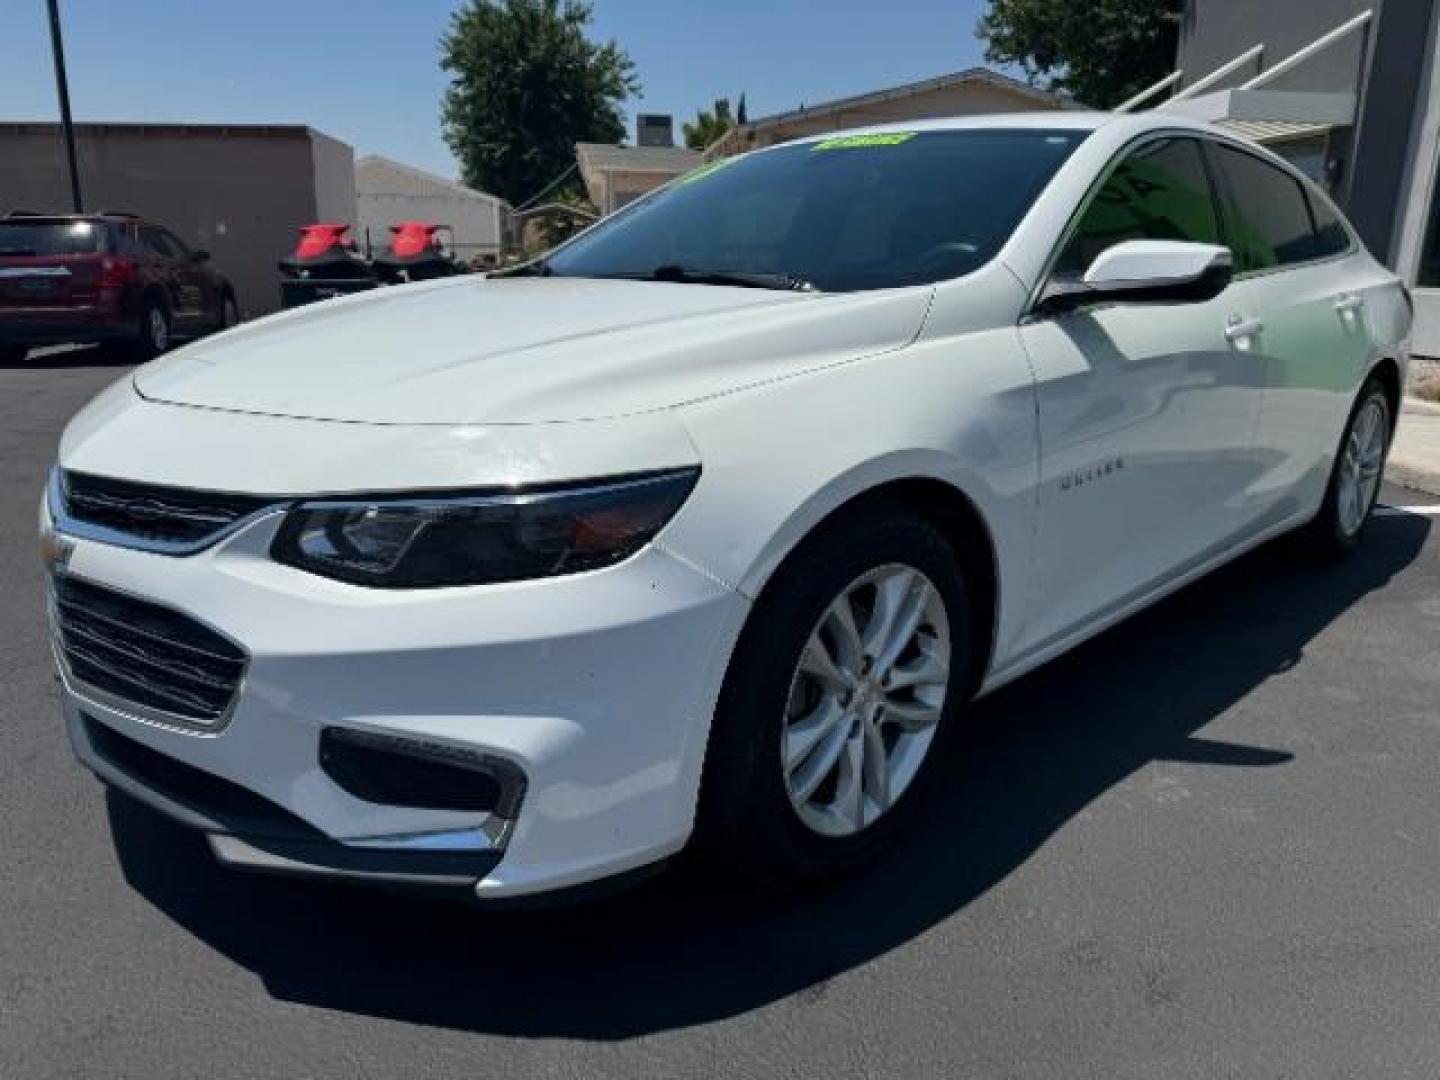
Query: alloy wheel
{"points": [[1361, 463], [865, 700], [159, 331]]}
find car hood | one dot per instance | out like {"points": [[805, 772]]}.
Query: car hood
{"points": [[526, 350]]}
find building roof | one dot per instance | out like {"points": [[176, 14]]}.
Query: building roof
{"points": [[876, 97], [88, 127], [372, 163], [1273, 131], [670, 160]]}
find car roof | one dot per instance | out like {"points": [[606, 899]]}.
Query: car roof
{"points": [[1041, 120], [36, 215]]}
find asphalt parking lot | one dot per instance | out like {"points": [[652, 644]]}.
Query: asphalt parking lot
{"points": [[1203, 845]]}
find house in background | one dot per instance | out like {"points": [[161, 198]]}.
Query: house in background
{"points": [[962, 93], [238, 191], [617, 175], [387, 192], [1349, 91]]}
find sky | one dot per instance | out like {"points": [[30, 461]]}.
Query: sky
{"points": [[367, 71]]}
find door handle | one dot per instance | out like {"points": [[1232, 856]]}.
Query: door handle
{"points": [[1239, 328], [1349, 302]]}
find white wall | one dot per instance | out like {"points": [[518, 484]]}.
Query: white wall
{"points": [[385, 195], [334, 163]]}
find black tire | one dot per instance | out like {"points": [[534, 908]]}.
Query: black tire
{"points": [[746, 815], [1330, 534], [229, 312], [11, 355], [149, 341]]}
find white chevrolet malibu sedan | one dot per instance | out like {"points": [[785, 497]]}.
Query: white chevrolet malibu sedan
{"points": [[710, 523]]}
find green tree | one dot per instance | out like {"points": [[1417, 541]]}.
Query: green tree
{"points": [[709, 126], [527, 84], [1100, 51]]}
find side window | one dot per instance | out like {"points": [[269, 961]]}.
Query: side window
{"points": [[1267, 218], [177, 246], [154, 241], [1331, 237], [1161, 191], [129, 242]]}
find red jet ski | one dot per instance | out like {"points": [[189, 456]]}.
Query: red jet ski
{"points": [[416, 253], [324, 263]]}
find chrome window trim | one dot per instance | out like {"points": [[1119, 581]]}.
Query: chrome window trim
{"points": [[1206, 139]]}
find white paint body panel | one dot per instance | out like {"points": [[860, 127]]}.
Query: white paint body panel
{"points": [[602, 685]]}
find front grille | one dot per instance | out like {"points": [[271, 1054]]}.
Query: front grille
{"points": [[151, 514], [145, 654]]}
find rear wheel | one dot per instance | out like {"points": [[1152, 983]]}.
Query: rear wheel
{"points": [[842, 692], [1355, 477], [229, 312], [153, 337]]}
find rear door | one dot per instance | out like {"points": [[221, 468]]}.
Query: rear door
{"points": [[1146, 410], [168, 266], [49, 265], [1304, 276]]}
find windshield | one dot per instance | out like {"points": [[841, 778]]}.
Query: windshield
{"points": [[42, 237], [847, 213]]}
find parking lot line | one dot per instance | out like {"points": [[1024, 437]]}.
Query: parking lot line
{"points": [[1397, 511]]}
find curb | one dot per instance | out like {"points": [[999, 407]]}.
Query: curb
{"points": [[1408, 472], [1413, 404], [1417, 471]]}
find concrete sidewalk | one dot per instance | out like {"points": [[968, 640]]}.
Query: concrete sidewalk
{"points": [[1415, 455]]}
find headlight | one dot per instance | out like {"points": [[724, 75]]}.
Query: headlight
{"points": [[428, 542]]}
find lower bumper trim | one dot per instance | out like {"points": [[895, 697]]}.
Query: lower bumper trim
{"points": [[247, 831]]}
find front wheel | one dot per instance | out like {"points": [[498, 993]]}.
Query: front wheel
{"points": [[841, 694], [1357, 472]]}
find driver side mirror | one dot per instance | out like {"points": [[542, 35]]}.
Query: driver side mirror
{"points": [[1145, 271]]}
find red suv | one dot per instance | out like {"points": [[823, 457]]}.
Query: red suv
{"points": [[105, 277]]}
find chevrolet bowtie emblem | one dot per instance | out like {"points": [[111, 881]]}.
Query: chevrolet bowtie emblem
{"points": [[145, 509], [55, 549]]}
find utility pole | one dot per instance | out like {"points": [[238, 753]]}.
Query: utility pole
{"points": [[62, 86]]}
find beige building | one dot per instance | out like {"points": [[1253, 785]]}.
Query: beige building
{"points": [[963, 93], [616, 175]]}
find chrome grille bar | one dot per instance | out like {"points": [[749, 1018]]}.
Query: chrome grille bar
{"points": [[134, 654]]}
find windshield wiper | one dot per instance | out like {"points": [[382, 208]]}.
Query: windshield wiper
{"points": [[746, 279], [533, 268]]}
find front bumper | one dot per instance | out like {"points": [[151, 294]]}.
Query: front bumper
{"points": [[597, 687]]}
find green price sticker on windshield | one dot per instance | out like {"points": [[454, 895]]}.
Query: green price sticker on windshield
{"points": [[706, 169], [864, 142]]}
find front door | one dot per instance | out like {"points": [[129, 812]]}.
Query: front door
{"points": [[1146, 411]]}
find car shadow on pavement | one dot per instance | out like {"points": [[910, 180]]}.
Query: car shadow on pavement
{"points": [[683, 949], [68, 356]]}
